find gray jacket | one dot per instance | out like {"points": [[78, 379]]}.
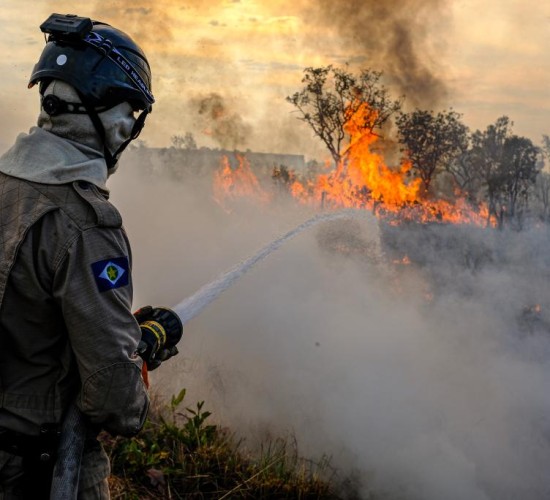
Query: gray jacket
{"points": [[66, 326]]}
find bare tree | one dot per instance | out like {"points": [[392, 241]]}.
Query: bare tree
{"points": [[331, 96], [432, 141]]}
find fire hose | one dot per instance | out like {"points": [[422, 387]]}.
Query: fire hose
{"points": [[158, 335]]}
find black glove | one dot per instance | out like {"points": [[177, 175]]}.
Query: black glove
{"points": [[161, 330]]}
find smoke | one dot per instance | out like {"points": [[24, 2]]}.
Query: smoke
{"points": [[148, 23], [393, 36], [427, 380], [259, 53], [217, 120]]}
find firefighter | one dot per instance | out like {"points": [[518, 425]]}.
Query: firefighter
{"points": [[67, 332]]}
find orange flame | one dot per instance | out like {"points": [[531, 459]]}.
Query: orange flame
{"points": [[405, 261], [361, 180], [231, 184]]}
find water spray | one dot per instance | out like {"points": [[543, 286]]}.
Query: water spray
{"points": [[190, 307], [73, 431]]}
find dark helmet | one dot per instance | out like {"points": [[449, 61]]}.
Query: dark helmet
{"points": [[102, 63]]}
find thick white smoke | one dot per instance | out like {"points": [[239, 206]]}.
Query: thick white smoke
{"points": [[429, 380]]}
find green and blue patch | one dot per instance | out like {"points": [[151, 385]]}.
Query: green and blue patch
{"points": [[111, 273]]}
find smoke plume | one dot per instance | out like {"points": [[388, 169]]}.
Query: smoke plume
{"points": [[220, 122], [392, 36], [426, 377]]}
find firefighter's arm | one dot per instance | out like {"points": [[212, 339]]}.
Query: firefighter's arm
{"points": [[93, 286]]}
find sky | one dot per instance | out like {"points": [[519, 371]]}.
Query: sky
{"points": [[483, 58]]}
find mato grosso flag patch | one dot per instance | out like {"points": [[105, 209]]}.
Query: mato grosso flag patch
{"points": [[111, 273]]}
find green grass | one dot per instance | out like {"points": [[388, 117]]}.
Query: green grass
{"points": [[179, 454]]}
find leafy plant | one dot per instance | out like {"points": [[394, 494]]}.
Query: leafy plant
{"points": [[179, 454]]}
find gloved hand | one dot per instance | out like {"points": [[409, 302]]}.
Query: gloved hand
{"points": [[161, 330]]}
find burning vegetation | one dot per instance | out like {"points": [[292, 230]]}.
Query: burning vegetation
{"points": [[441, 172], [239, 182]]}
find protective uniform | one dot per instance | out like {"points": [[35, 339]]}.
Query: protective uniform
{"points": [[79, 333], [66, 328]]}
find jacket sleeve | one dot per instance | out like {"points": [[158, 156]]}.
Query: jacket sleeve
{"points": [[93, 286]]}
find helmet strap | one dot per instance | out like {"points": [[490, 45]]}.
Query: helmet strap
{"points": [[54, 105], [106, 47], [110, 159], [136, 130]]}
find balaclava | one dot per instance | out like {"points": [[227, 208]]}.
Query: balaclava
{"points": [[118, 121]]}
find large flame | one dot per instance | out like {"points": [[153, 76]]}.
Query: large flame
{"points": [[360, 180]]}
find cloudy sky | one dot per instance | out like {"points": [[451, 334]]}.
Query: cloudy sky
{"points": [[484, 58]]}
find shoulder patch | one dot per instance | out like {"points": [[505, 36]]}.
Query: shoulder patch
{"points": [[111, 273]]}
